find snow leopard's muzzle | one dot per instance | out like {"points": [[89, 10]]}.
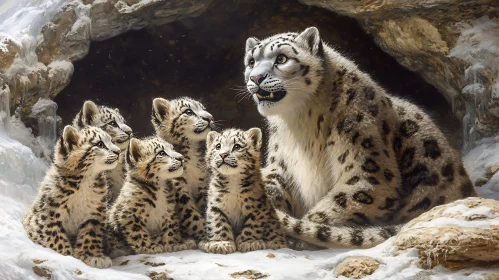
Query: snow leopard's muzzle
{"points": [[266, 87]]}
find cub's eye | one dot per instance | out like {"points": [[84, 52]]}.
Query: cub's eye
{"points": [[189, 112], [281, 59], [113, 123], [237, 147], [162, 154], [251, 62], [218, 146], [101, 145]]}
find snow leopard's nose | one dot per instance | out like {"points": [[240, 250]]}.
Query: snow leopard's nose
{"points": [[224, 155], [258, 79]]}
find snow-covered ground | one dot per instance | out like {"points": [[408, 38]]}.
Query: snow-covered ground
{"points": [[21, 171]]}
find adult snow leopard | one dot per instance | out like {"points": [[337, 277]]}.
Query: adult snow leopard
{"points": [[112, 122], [347, 163]]}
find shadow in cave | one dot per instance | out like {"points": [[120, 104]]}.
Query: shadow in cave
{"points": [[203, 58]]}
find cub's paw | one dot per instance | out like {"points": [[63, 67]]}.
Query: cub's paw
{"points": [[300, 245], [276, 245], [218, 247], [187, 245], [153, 249], [98, 262], [252, 245]]}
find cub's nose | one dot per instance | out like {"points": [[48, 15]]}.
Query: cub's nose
{"points": [[224, 155]]}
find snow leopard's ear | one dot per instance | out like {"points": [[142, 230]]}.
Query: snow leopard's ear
{"points": [[251, 43], [89, 111], [70, 135], [210, 138], [310, 40], [255, 135], [134, 152], [160, 109]]}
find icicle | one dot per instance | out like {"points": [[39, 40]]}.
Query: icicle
{"points": [[4, 107]]}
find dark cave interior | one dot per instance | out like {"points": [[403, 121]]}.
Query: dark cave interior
{"points": [[203, 58]]}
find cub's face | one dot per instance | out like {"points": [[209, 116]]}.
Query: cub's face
{"points": [[108, 119], [283, 71], [182, 117], [233, 150], [153, 159], [90, 148]]}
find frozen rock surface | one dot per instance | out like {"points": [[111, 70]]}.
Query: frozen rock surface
{"points": [[464, 233]]}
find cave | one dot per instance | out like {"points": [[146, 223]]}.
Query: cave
{"points": [[202, 57]]}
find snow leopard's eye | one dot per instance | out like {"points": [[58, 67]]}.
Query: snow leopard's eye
{"points": [[251, 62], [237, 147], [162, 154], [281, 59], [113, 123], [101, 145], [218, 146], [189, 112]]}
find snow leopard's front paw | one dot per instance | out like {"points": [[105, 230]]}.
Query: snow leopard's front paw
{"points": [[218, 247], [300, 245], [277, 199], [153, 249], [251, 245], [274, 245], [186, 245], [98, 262]]}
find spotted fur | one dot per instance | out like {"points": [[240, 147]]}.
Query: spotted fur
{"points": [[144, 219], [184, 122], [347, 163], [111, 121], [68, 213], [239, 215]]}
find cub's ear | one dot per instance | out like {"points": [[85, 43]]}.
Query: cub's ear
{"points": [[70, 135], [134, 153], [255, 134], [310, 39], [160, 109], [251, 42], [89, 111], [210, 138]]}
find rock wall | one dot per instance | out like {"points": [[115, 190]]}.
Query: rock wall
{"points": [[452, 44]]}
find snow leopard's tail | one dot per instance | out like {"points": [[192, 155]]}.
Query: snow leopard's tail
{"points": [[336, 236]]}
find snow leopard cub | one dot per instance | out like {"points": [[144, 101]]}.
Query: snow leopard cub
{"points": [[144, 215], [68, 214], [184, 122], [111, 121], [238, 207]]}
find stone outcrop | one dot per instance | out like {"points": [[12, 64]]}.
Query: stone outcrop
{"points": [[453, 44], [461, 234], [356, 267]]}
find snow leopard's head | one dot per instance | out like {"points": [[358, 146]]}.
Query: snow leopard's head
{"points": [[89, 149], [108, 119], [283, 71], [234, 150], [181, 119], [153, 159]]}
